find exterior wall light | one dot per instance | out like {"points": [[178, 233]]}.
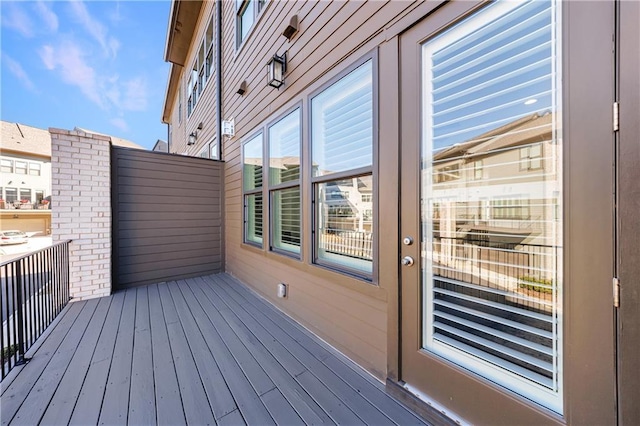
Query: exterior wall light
{"points": [[276, 67], [192, 138]]}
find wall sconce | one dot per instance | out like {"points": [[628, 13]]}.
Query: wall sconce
{"points": [[192, 138], [242, 89], [276, 67], [292, 28]]}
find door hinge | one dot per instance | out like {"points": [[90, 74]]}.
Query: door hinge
{"points": [[616, 116], [616, 292]]}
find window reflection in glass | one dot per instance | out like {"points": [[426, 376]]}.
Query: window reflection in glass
{"points": [[345, 223], [491, 196]]}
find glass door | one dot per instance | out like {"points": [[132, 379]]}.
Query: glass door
{"points": [[483, 286]]}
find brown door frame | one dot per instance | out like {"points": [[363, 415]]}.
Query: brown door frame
{"points": [[589, 338], [628, 216]]}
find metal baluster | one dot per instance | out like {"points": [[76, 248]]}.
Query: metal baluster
{"points": [[3, 298], [20, 313]]}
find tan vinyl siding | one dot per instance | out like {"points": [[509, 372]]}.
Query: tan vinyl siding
{"points": [[349, 313]]}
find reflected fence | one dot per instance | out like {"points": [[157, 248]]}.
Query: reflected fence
{"points": [[523, 273], [355, 244], [34, 289]]}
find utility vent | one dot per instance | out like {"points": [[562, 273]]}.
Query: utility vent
{"points": [[228, 128], [282, 290]]}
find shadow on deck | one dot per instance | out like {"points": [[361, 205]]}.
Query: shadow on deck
{"points": [[199, 351]]}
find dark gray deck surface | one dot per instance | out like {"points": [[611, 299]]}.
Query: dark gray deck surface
{"points": [[198, 351]]}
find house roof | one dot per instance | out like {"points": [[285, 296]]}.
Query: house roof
{"points": [[114, 139], [20, 138], [182, 24], [161, 146]]}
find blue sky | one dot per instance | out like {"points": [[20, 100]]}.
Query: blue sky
{"points": [[93, 64]]}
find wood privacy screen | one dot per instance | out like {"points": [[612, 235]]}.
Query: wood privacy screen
{"points": [[167, 217]]}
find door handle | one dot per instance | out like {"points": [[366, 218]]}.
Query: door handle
{"points": [[407, 261]]}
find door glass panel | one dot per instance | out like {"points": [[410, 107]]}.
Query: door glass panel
{"points": [[491, 198]]}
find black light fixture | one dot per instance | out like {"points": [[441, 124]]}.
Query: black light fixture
{"points": [[192, 138], [276, 67]]}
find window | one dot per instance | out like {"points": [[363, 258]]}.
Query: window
{"points": [[213, 150], [284, 183], [342, 152], [252, 189], [477, 170], [12, 195], [447, 173], [366, 198], [246, 13], [204, 153], [35, 169], [6, 166], [21, 167], [25, 194], [39, 196], [201, 70], [531, 157]]}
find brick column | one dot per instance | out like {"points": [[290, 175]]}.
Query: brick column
{"points": [[81, 208]]}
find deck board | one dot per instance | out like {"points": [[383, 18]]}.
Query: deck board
{"points": [[167, 396], [142, 409], [64, 400], [115, 405], [205, 350]]}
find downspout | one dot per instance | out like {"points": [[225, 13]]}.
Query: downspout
{"points": [[168, 138], [219, 77]]}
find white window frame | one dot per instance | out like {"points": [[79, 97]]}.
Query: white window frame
{"points": [[25, 168], [253, 192], [7, 163], [255, 7], [199, 74]]}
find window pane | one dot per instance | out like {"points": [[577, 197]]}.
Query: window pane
{"points": [[21, 167], [284, 149], [213, 150], [12, 195], [492, 238], [25, 195], [34, 169], [342, 123], [253, 163], [286, 219], [7, 166], [345, 223], [253, 218], [246, 20], [39, 196]]}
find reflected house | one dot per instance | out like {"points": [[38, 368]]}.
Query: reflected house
{"points": [[496, 212]]}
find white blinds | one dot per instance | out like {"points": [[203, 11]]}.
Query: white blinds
{"points": [[493, 236], [342, 123], [284, 149]]}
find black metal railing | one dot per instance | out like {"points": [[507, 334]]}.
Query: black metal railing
{"points": [[35, 288]]}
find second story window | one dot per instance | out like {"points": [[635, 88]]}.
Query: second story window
{"points": [[21, 167], [202, 69], [35, 169], [7, 166], [246, 14]]}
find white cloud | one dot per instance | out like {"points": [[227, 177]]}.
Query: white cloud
{"points": [[47, 15], [95, 28], [69, 60], [14, 17], [17, 70], [135, 97], [120, 123], [107, 91]]}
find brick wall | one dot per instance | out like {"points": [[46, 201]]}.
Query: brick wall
{"points": [[81, 208]]}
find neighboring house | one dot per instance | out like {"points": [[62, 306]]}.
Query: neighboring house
{"points": [[432, 181], [26, 164], [25, 183], [160, 146]]}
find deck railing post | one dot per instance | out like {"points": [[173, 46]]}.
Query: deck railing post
{"points": [[20, 313]]}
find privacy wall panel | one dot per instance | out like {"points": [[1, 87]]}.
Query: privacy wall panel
{"points": [[167, 217]]}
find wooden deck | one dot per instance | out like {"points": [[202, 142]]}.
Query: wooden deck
{"points": [[198, 351]]}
